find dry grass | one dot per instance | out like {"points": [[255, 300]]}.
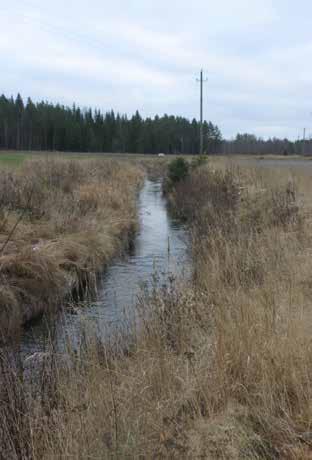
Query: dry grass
{"points": [[219, 369], [71, 217], [251, 248]]}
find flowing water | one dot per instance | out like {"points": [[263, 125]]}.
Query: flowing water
{"points": [[159, 251]]}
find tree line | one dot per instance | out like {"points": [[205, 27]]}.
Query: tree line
{"points": [[54, 127], [249, 144]]}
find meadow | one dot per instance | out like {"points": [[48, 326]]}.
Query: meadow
{"points": [[220, 366]]}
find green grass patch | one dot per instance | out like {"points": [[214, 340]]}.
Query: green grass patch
{"points": [[13, 159]]}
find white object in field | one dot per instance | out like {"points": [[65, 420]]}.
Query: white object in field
{"points": [[161, 155]]}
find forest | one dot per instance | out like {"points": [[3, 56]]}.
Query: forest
{"points": [[45, 126]]}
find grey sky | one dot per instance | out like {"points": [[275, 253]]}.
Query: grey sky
{"points": [[145, 55]]}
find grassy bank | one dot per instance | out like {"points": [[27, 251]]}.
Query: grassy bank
{"points": [[220, 368], [60, 222]]}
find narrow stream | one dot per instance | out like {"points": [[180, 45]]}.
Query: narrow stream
{"points": [[160, 249]]}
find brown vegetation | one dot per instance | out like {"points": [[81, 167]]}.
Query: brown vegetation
{"points": [[219, 369], [60, 222]]}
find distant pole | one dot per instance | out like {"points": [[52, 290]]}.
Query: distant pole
{"points": [[303, 145], [201, 129], [201, 114]]}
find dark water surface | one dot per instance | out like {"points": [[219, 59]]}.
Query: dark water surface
{"points": [[159, 250]]}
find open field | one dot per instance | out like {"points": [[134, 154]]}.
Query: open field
{"points": [[220, 367], [61, 220], [152, 162]]}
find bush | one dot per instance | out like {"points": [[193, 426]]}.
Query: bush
{"points": [[198, 161], [178, 170], [216, 195]]}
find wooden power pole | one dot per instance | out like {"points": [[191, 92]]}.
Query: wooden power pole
{"points": [[304, 141], [201, 133]]}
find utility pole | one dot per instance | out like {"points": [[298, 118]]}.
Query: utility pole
{"points": [[201, 134], [303, 145]]}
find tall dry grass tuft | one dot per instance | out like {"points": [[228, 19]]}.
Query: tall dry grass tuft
{"points": [[60, 222], [251, 245]]}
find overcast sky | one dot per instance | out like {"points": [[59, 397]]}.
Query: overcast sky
{"points": [[146, 54]]}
